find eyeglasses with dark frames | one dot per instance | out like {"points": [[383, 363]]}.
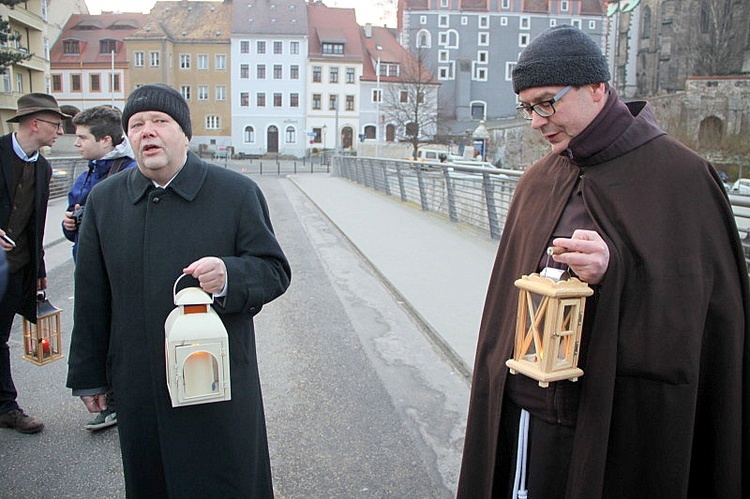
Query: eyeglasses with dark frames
{"points": [[58, 124], [545, 109]]}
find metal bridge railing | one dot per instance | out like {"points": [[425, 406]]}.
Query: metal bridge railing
{"points": [[64, 172], [475, 196]]}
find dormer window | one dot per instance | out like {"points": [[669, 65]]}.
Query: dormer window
{"points": [[107, 46], [71, 47], [333, 48]]}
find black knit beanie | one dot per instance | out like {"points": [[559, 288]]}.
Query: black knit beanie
{"points": [[158, 97], [561, 55]]}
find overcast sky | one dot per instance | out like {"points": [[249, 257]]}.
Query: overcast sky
{"points": [[367, 11]]}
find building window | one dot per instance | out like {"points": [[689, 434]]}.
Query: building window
{"points": [[389, 70], [260, 47], [260, 99], [403, 96], [220, 62], [221, 93], [294, 48], [576, 23], [317, 74], [503, 21], [19, 83], [444, 3], [424, 39], [422, 19], [509, 67], [370, 132], [333, 48], [484, 22], [244, 99], [377, 95], [56, 82], [523, 39], [244, 71], [482, 56], [203, 62], [294, 100], [349, 103], [184, 61], [202, 92], [505, 4], [564, 6], [552, 23], [278, 48], [524, 22], [153, 58], [107, 46], [291, 135], [71, 47], [484, 39], [75, 83], [442, 21], [350, 75], [464, 21], [185, 91], [443, 56], [333, 75], [260, 71], [277, 100], [449, 39], [95, 83], [213, 122], [333, 102], [249, 135], [294, 72], [592, 25], [480, 73], [138, 59], [116, 82], [277, 74], [244, 46], [477, 110], [316, 101]]}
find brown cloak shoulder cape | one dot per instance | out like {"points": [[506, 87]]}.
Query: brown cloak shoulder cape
{"points": [[664, 402]]}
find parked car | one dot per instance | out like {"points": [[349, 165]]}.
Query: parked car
{"points": [[741, 186]]}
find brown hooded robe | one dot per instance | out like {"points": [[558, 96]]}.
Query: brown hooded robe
{"points": [[664, 396]]}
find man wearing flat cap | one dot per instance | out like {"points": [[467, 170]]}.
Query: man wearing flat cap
{"points": [[172, 215], [24, 192], [661, 408]]}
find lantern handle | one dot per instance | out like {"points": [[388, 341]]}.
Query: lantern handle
{"points": [[174, 287]]}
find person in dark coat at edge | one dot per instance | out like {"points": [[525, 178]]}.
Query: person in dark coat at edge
{"points": [[24, 192], [661, 409], [142, 230]]}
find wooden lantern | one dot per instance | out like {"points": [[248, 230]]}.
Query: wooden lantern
{"points": [[548, 328], [197, 350], [41, 341]]}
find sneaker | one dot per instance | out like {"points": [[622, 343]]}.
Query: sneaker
{"points": [[104, 419], [19, 421]]}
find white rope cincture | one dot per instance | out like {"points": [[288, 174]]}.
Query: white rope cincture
{"points": [[519, 482]]}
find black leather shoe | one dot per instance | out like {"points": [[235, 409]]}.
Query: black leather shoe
{"points": [[17, 420]]}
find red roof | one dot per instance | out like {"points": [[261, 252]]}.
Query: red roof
{"points": [[88, 30]]}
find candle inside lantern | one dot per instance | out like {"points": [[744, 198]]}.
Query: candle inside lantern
{"points": [[45, 346], [200, 374]]}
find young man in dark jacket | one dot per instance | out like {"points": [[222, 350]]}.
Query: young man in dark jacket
{"points": [[101, 140], [660, 410]]}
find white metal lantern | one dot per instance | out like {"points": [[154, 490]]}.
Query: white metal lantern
{"points": [[42, 341], [548, 328], [197, 350]]}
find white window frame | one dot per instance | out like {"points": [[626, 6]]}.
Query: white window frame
{"points": [[509, 66], [221, 93], [248, 133], [523, 39], [524, 22], [185, 92], [202, 62], [443, 21], [483, 39], [564, 6], [422, 19], [577, 23], [220, 62], [213, 122], [202, 92], [444, 56], [479, 72], [483, 22], [185, 62], [138, 59]]}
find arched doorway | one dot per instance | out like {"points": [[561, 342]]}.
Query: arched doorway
{"points": [[347, 136], [272, 139], [710, 133], [390, 133]]}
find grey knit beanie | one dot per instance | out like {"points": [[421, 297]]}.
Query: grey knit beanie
{"points": [[158, 97], [561, 55]]}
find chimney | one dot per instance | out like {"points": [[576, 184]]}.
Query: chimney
{"points": [[368, 30]]}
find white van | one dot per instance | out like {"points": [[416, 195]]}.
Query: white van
{"points": [[741, 186], [435, 155]]}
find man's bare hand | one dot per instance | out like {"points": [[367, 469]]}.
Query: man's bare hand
{"points": [[210, 272], [586, 253]]}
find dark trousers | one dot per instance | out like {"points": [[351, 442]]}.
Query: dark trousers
{"points": [[8, 306]]}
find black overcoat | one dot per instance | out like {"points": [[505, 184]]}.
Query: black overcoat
{"points": [[134, 242], [43, 174], [664, 397]]}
